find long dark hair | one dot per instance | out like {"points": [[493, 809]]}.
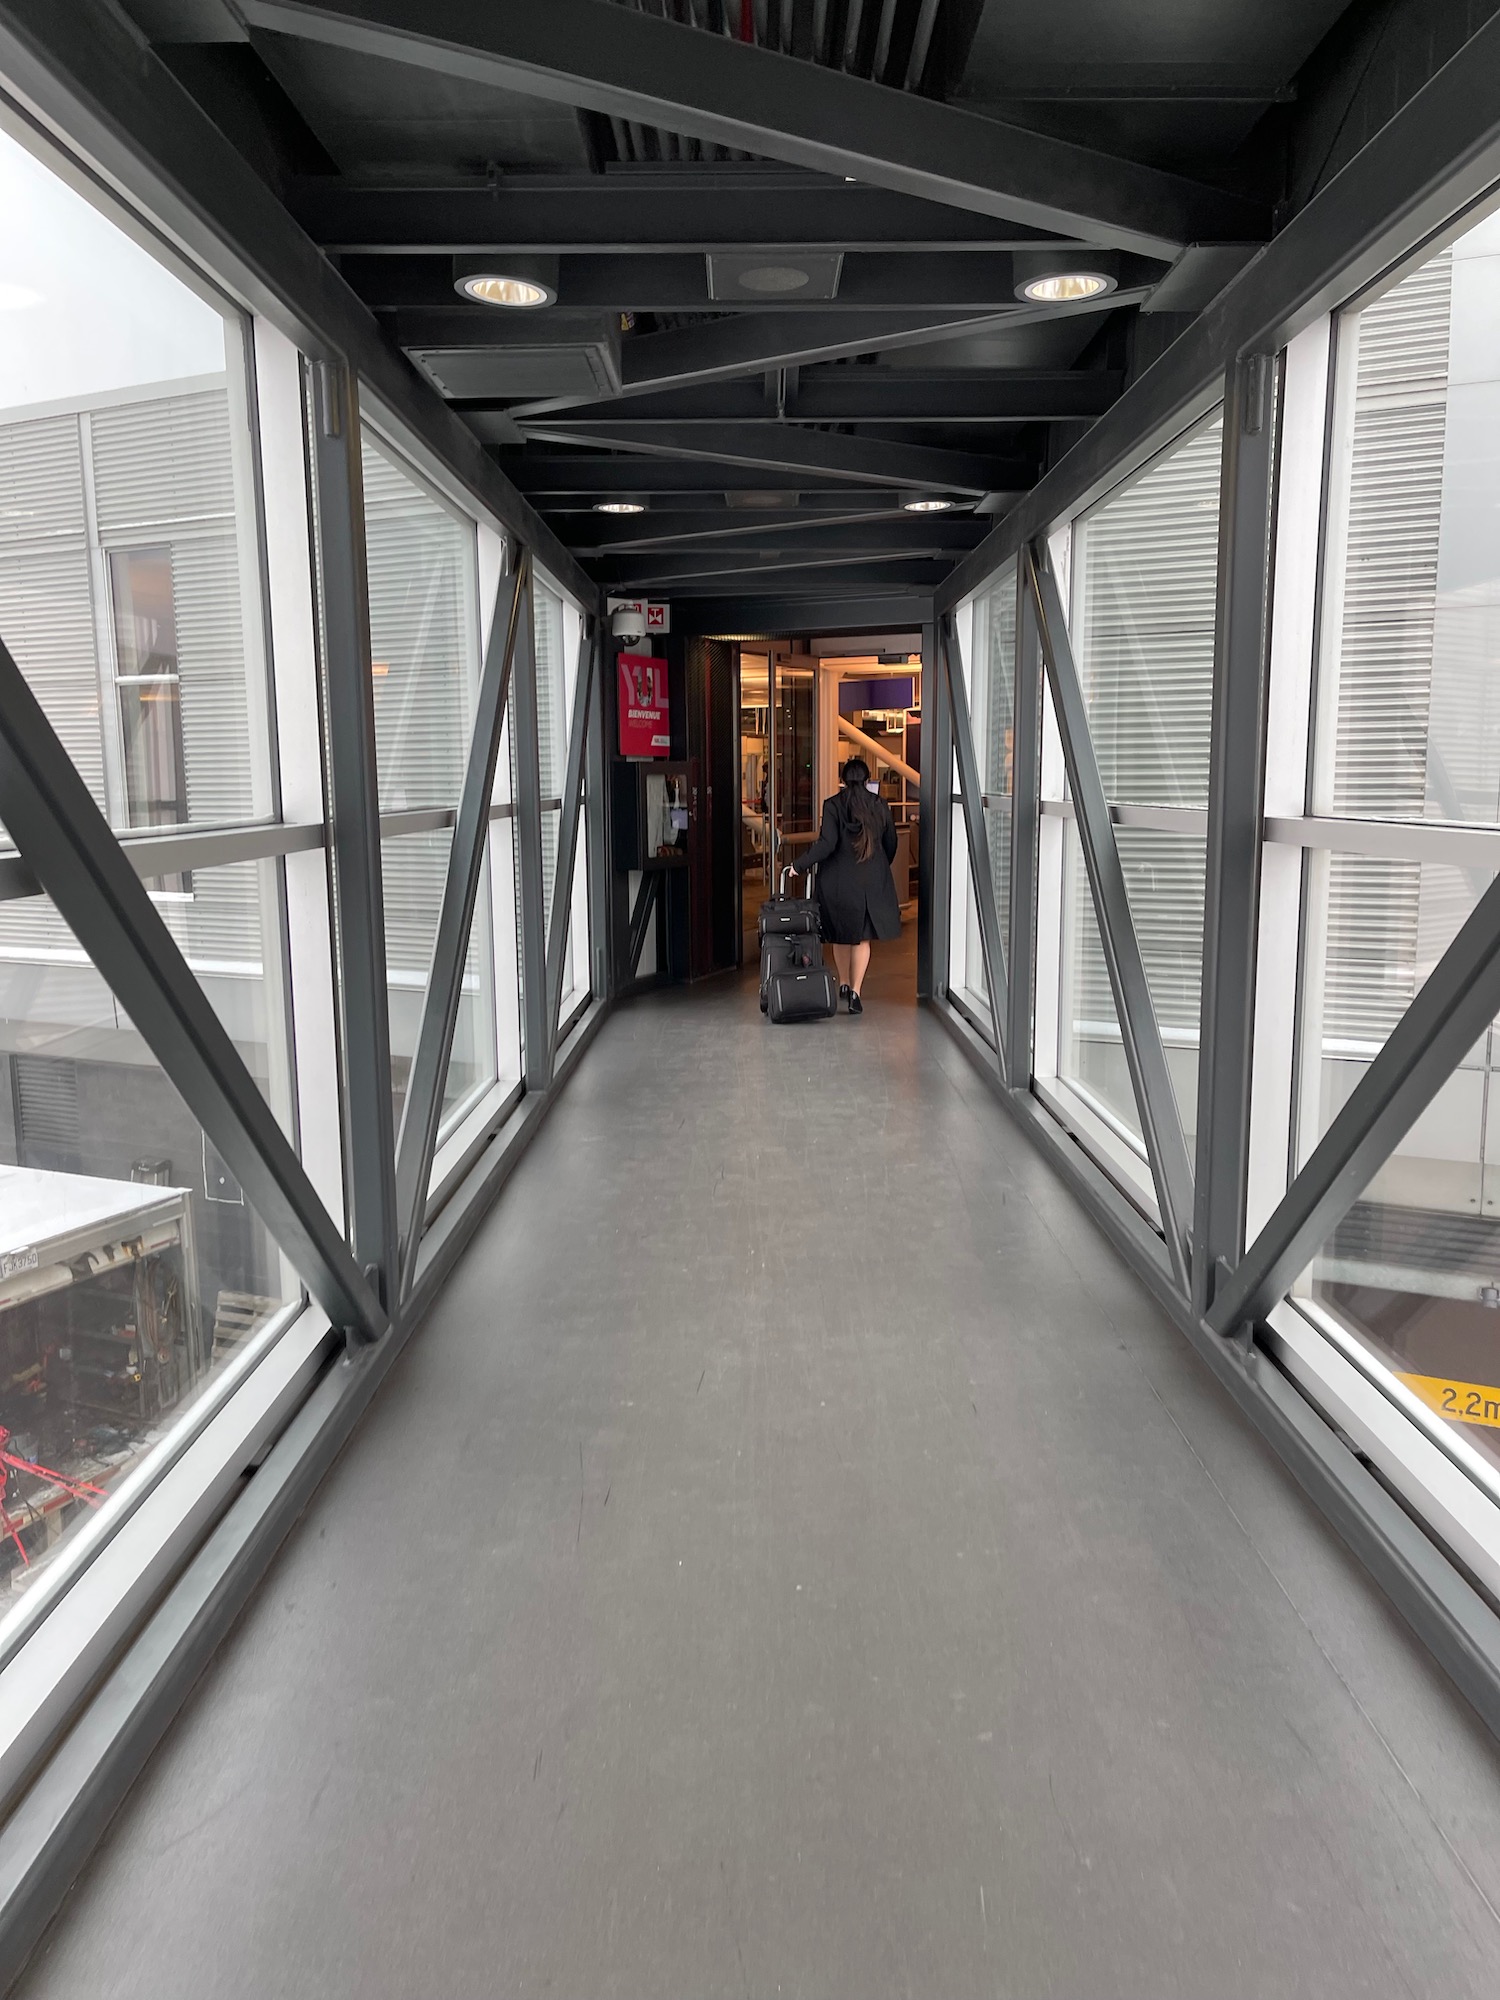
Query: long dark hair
{"points": [[858, 812]]}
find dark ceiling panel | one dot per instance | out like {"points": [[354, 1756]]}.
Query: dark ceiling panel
{"points": [[384, 121], [636, 66], [1181, 83]]}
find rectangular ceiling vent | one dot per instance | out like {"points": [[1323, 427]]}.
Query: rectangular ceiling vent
{"points": [[774, 277], [517, 371]]}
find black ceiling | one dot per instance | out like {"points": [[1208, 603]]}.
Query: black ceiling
{"points": [[902, 164]]}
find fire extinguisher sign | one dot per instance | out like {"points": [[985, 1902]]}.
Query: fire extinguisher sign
{"points": [[645, 718]]}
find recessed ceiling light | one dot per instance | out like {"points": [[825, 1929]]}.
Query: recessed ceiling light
{"points": [[619, 507], [773, 278], [933, 505], [1059, 287], [495, 288]]}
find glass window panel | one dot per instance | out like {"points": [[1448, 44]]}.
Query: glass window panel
{"points": [[551, 826], [1374, 930], [129, 563], [422, 562], [415, 869], [966, 974], [1412, 1273], [132, 1269], [575, 970], [1145, 573], [992, 694], [1409, 698], [505, 933], [552, 727], [551, 691], [1091, 1049], [1164, 882]]}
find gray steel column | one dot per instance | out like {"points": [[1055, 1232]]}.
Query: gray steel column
{"points": [[1145, 1058], [980, 873], [1236, 785], [354, 822], [524, 735], [567, 836], [934, 825], [1025, 814], [422, 1111], [62, 834]]}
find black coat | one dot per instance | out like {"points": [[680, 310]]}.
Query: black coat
{"points": [[858, 898]]}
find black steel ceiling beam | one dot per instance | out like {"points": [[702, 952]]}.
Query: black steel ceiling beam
{"points": [[757, 343], [718, 350], [933, 281], [682, 574], [888, 534], [632, 65], [664, 529], [622, 213], [818, 605], [874, 395], [786, 448], [548, 478]]}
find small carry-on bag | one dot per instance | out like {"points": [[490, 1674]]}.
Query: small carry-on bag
{"points": [[795, 984], [789, 916]]}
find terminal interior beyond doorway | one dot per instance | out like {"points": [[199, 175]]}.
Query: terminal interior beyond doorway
{"points": [[831, 698]]}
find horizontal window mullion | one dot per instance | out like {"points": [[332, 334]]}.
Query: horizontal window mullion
{"points": [[1392, 839], [178, 852], [434, 819], [1158, 819]]}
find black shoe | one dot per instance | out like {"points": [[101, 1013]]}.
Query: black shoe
{"points": [[845, 991], [856, 1005]]}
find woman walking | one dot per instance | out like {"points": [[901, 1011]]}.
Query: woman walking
{"points": [[856, 891]]}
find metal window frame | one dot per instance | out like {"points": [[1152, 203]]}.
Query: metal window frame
{"points": [[1145, 1055], [1025, 789], [353, 806], [1236, 788], [996, 972], [529, 806], [934, 821], [574, 770], [422, 1109]]}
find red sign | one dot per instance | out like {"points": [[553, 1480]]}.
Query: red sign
{"points": [[645, 721]]}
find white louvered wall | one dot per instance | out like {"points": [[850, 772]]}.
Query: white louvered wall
{"points": [[423, 640], [162, 474], [1382, 654], [1145, 571], [46, 606]]}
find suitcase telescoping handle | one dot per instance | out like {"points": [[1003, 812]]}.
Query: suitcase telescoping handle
{"points": [[807, 877]]}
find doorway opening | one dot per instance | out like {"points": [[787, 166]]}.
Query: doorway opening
{"points": [[806, 705]]}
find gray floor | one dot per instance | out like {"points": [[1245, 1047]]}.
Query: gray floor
{"points": [[797, 1559]]}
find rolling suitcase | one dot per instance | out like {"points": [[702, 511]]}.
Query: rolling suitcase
{"points": [[795, 984], [807, 993]]}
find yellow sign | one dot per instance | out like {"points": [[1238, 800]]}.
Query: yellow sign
{"points": [[1465, 1402]]}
